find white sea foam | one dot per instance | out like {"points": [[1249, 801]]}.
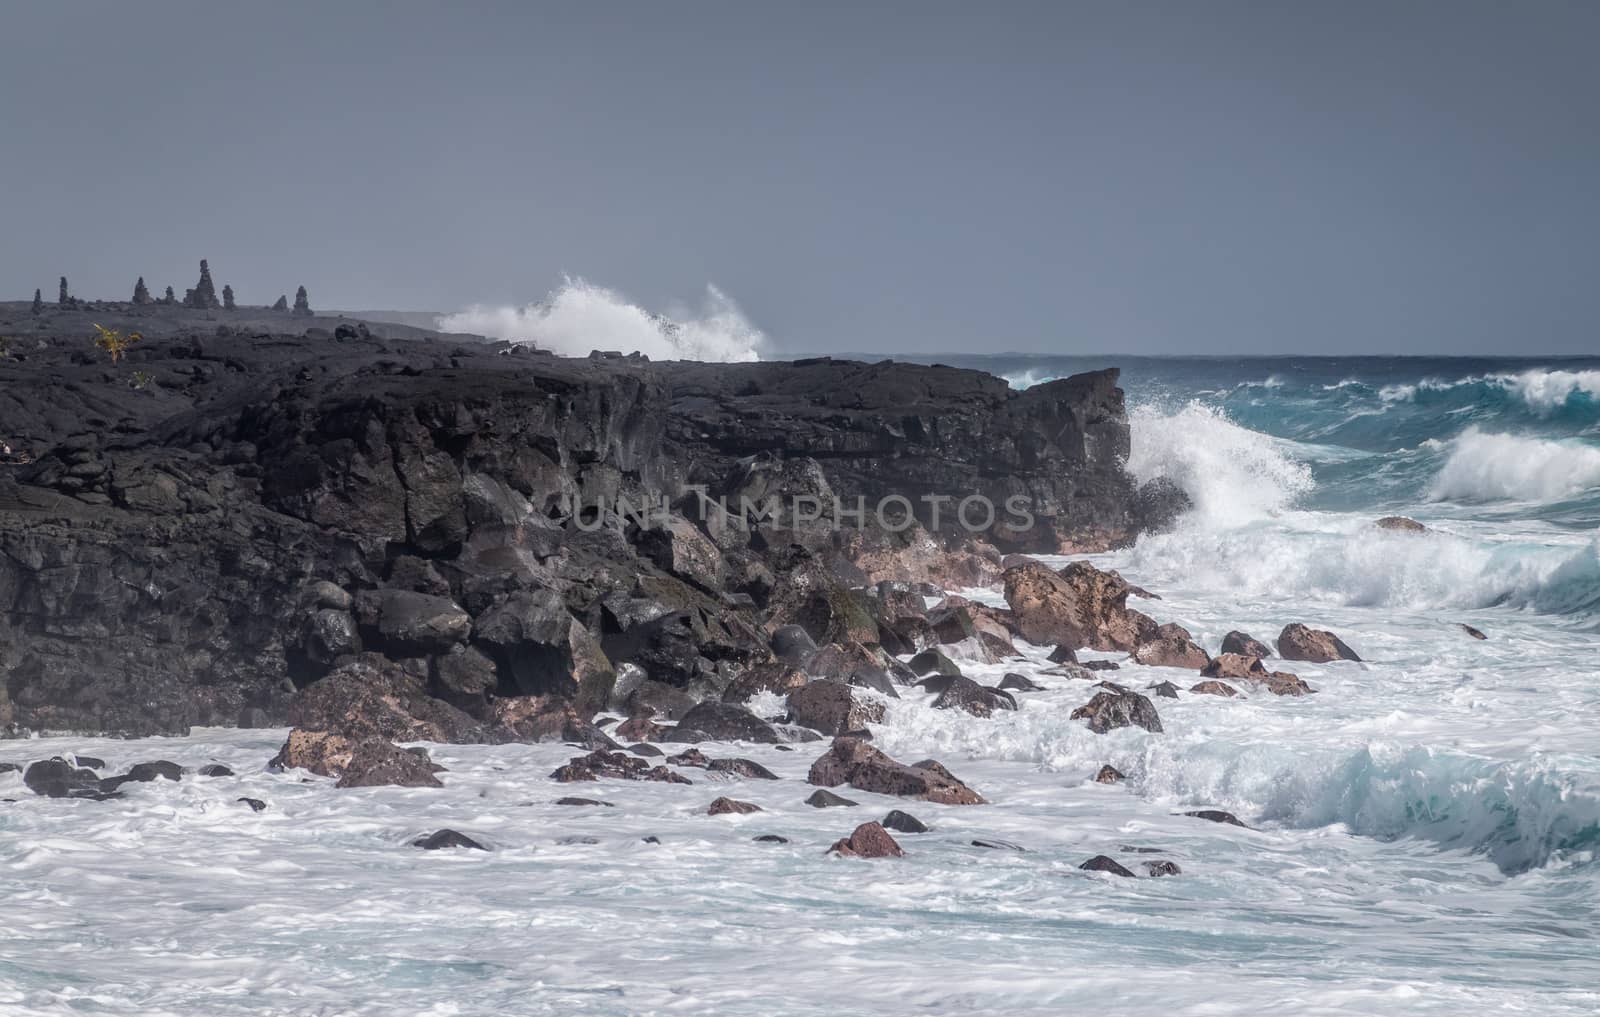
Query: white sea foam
{"points": [[579, 317], [1231, 473], [1503, 467], [1028, 378], [1547, 391]]}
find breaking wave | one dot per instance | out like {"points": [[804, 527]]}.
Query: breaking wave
{"points": [[1503, 467], [1231, 473], [579, 317]]}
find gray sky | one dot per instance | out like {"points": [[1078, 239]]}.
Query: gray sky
{"points": [[1058, 177]]}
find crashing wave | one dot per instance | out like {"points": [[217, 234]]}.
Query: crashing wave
{"points": [[580, 317], [1503, 467]]}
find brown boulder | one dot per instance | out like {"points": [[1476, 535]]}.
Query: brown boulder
{"points": [[356, 762], [854, 762], [1171, 646], [1214, 688], [1234, 665], [1078, 606], [544, 719], [372, 697], [869, 840], [775, 676], [1244, 645], [832, 708], [1316, 646], [1109, 775], [960, 693], [1282, 683]]}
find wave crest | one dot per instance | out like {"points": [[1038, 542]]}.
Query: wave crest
{"points": [[1231, 473], [579, 317], [1502, 467]]}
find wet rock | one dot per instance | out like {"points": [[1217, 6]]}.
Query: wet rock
{"points": [[365, 762], [1317, 646], [691, 757], [543, 650], [281, 304], [227, 299], [302, 305], [256, 804], [1109, 775], [1166, 690], [1100, 863], [854, 762], [1234, 665], [615, 765], [770, 838], [1162, 868], [443, 839], [968, 696], [641, 725], [853, 664], [775, 677], [642, 749], [1244, 645], [838, 615], [141, 293], [584, 802], [1110, 710], [1101, 665], [661, 699], [1171, 646], [833, 708], [1217, 816], [544, 719], [1400, 524], [933, 662], [741, 768], [823, 799], [1013, 682], [1063, 654], [723, 722], [92, 762], [1474, 633], [793, 645], [465, 677], [204, 294], [373, 698], [57, 778], [143, 773], [997, 845], [903, 822], [729, 806], [1214, 688], [1282, 683], [868, 841]]}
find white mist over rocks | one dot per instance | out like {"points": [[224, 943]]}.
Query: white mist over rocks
{"points": [[579, 317]]}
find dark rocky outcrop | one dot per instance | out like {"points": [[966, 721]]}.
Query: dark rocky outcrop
{"points": [[854, 762], [1109, 775], [1079, 606], [256, 804], [38, 302], [1316, 646], [823, 799], [302, 305], [1171, 646], [869, 840], [363, 762], [141, 293], [614, 765], [281, 304], [227, 299], [169, 298], [730, 806], [959, 693], [1217, 816], [1212, 687], [276, 512]]}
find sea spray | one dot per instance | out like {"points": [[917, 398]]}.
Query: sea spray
{"points": [[579, 317]]}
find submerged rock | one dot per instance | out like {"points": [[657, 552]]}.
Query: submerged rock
{"points": [[723, 722], [1162, 868], [1100, 863], [869, 840], [1013, 682], [730, 806], [443, 839], [741, 768], [833, 708], [1474, 633], [1400, 524], [1217, 816], [903, 822], [968, 696], [615, 765], [823, 799], [1165, 690], [256, 804], [365, 762], [1108, 775], [57, 778], [1214, 688]]}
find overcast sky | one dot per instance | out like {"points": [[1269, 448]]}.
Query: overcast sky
{"points": [[1076, 177]]}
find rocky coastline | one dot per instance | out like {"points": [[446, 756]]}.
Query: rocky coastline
{"points": [[380, 541]]}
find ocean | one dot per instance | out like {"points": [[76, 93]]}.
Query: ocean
{"points": [[1421, 832]]}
